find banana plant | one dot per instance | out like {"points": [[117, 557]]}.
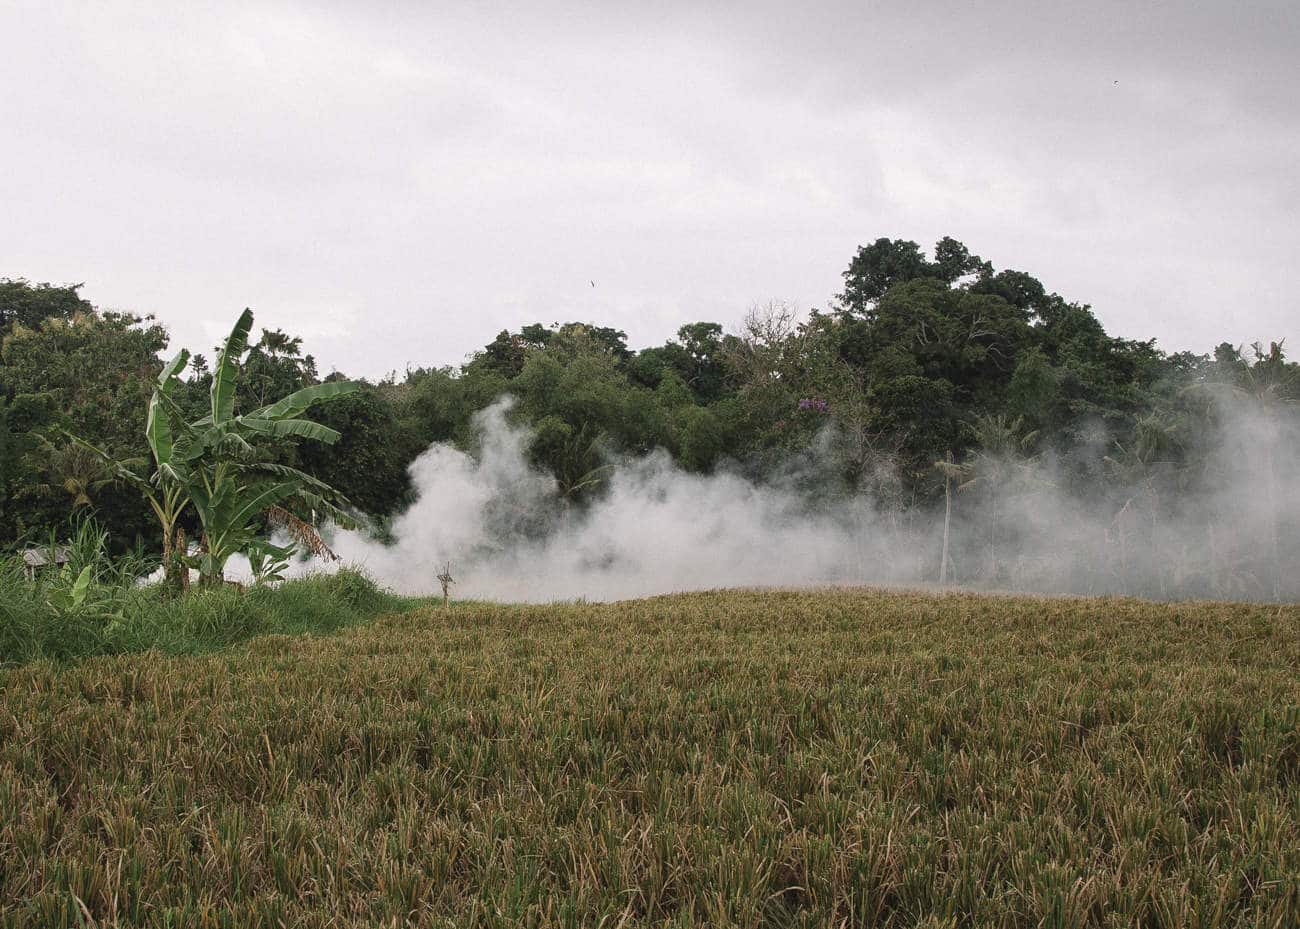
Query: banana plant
{"points": [[217, 456], [268, 561], [79, 596], [72, 595], [214, 463]]}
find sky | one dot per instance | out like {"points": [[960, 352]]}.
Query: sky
{"points": [[398, 182]]}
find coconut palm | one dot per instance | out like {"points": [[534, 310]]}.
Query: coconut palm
{"points": [[72, 469], [1271, 386], [1140, 467], [1263, 392]]}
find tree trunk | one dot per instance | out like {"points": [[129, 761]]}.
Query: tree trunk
{"points": [[183, 570], [993, 540], [947, 522], [171, 583], [1275, 549], [1161, 567]]}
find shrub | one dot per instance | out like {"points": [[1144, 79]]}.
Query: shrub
{"points": [[114, 615]]}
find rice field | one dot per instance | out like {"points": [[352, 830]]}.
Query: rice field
{"points": [[736, 759]]}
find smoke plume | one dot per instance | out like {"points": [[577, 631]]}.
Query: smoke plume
{"points": [[1229, 531]]}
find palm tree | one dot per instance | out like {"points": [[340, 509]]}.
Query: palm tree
{"points": [[1268, 387], [581, 462], [72, 469], [1139, 467]]}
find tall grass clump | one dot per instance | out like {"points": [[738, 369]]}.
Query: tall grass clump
{"points": [[66, 611], [96, 606], [212, 618]]}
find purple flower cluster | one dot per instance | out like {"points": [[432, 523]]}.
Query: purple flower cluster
{"points": [[814, 403]]}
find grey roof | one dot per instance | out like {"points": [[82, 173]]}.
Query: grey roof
{"points": [[40, 557]]}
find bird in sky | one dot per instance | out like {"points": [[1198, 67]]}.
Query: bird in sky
{"points": [[593, 283]]}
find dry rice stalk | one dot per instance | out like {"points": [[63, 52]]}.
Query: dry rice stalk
{"points": [[304, 533]]}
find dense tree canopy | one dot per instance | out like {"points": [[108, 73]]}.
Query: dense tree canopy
{"points": [[24, 304], [916, 362]]}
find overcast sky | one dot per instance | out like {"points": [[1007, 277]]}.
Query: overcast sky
{"points": [[399, 182]]}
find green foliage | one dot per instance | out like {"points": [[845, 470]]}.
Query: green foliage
{"points": [[96, 369], [99, 608], [367, 464], [1033, 393], [884, 264], [268, 561], [213, 464], [89, 373], [866, 396], [28, 306], [70, 469], [696, 358], [215, 460]]}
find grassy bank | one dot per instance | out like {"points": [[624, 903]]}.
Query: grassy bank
{"points": [[731, 759], [119, 618]]}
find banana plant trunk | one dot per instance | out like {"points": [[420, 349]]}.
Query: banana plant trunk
{"points": [[211, 570], [174, 571], [168, 507]]}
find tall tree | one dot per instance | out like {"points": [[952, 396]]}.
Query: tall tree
{"points": [[92, 374], [27, 305]]}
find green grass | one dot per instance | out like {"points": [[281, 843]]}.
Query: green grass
{"points": [[119, 618], [725, 759]]}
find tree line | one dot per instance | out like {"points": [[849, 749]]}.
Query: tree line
{"points": [[932, 377]]}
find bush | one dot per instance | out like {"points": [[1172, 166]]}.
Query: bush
{"points": [[116, 616]]}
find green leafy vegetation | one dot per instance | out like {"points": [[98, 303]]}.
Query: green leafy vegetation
{"points": [[95, 605], [726, 759], [214, 465], [907, 367]]}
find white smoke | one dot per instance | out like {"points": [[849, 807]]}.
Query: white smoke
{"points": [[654, 528]]}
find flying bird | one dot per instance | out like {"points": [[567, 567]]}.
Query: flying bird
{"points": [[593, 283]]}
